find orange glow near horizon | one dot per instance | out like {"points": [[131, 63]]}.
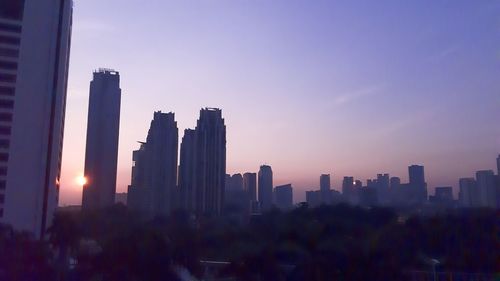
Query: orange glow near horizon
{"points": [[81, 180]]}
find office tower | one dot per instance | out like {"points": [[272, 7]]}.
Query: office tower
{"points": [[236, 199], [468, 195], [34, 57], [324, 182], [418, 185], [154, 175], [313, 198], [234, 182], [382, 186], [187, 168], [265, 187], [101, 150], [443, 196], [347, 185], [250, 185], [416, 174], [283, 196], [498, 165], [210, 162], [486, 188], [395, 182], [357, 184]]}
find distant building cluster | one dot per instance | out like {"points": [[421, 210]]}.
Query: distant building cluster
{"points": [[481, 191], [255, 193]]}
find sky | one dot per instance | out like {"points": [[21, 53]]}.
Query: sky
{"points": [[349, 88]]}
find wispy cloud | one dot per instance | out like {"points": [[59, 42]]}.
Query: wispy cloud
{"points": [[348, 97], [442, 54]]}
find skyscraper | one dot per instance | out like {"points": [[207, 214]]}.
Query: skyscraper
{"points": [[34, 57], [210, 162], [265, 187], [324, 183], [102, 140], [187, 171], [382, 186], [498, 165], [250, 185], [283, 195], [154, 176], [486, 188], [468, 195], [418, 192]]}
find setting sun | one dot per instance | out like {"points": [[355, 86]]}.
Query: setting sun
{"points": [[81, 180]]}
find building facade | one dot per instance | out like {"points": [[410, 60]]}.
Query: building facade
{"points": [[324, 182], [154, 175], [210, 170], [34, 55], [101, 152], [250, 185], [265, 187], [187, 171], [283, 197]]}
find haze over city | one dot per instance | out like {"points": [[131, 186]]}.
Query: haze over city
{"points": [[342, 88]]}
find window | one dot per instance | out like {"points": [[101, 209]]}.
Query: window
{"points": [[4, 143], [1, 213], [3, 171], [4, 157], [2, 198], [6, 91], [3, 184], [10, 27], [9, 40], [5, 130], [12, 9], [11, 78], [6, 103], [5, 117], [8, 65], [11, 53]]}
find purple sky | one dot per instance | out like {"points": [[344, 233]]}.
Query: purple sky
{"points": [[343, 87]]}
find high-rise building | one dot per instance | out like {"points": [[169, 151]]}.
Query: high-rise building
{"points": [[498, 165], [154, 175], [468, 195], [101, 151], [395, 182], [187, 171], [210, 162], [236, 198], [283, 196], [34, 57], [347, 185], [250, 185], [382, 187], [418, 192], [416, 174], [486, 188], [265, 187], [324, 182]]}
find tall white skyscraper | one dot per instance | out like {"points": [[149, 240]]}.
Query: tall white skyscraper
{"points": [[101, 151], [34, 55]]}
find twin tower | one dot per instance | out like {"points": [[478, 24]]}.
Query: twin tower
{"points": [[158, 184]]}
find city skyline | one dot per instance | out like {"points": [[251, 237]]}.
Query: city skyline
{"points": [[322, 105]]}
